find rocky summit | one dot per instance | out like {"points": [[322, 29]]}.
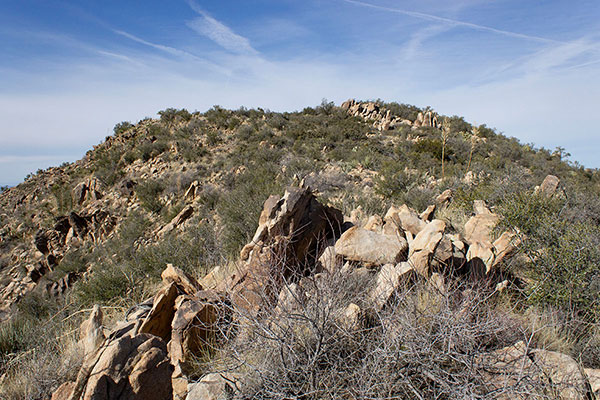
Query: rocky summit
{"points": [[371, 250]]}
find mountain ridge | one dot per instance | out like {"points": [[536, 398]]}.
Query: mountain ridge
{"points": [[188, 189]]}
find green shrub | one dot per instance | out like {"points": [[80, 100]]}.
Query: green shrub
{"points": [[62, 194], [149, 195], [122, 127], [241, 206]]}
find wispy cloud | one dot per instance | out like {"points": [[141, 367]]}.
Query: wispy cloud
{"points": [[454, 22], [418, 38], [219, 32]]}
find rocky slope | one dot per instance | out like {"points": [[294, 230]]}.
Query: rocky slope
{"points": [[300, 244], [188, 190]]}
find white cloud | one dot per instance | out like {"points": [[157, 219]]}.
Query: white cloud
{"points": [[219, 33], [453, 22]]}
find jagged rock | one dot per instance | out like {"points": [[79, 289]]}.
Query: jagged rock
{"points": [[64, 391], [406, 218], [192, 191], [91, 189], [215, 386], [427, 215], [445, 198], [329, 260], [290, 239], [135, 368], [184, 282], [424, 244], [158, 321], [358, 244], [517, 372], [505, 246], [374, 224], [194, 330], [389, 278], [549, 185], [91, 334], [179, 219], [593, 376]]}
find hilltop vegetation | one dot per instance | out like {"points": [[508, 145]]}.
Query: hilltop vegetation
{"points": [[188, 189]]}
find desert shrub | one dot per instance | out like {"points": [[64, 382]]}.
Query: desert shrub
{"points": [[564, 254], [37, 354], [148, 193], [425, 344], [171, 115], [122, 127], [240, 207], [62, 194], [106, 165]]}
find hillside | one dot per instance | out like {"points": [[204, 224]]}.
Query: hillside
{"points": [[447, 248]]}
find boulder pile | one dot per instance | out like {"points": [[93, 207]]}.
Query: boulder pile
{"points": [[384, 121]]}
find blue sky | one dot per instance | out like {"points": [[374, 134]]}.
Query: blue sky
{"points": [[70, 70]]}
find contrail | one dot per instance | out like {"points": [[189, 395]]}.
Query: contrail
{"points": [[431, 17]]}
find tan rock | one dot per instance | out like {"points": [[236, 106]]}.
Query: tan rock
{"points": [[134, 368], [563, 372], [179, 219], [429, 237], [481, 256], [505, 246], [479, 228], [158, 321], [214, 386], [289, 239], [406, 218], [350, 318], [91, 334], [194, 326], [358, 244], [389, 278], [64, 391], [593, 376], [330, 260], [549, 185], [374, 224], [184, 282], [423, 246], [427, 215], [444, 198]]}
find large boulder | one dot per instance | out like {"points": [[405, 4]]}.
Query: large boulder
{"points": [[133, 368], [292, 234], [214, 386], [183, 281], [158, 321], [195, 329], [549, 185], [389, 278], [179, 219], [405, 218], [424, 245], [91, 334], [358, 244]]}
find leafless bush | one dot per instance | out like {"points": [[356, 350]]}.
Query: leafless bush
{"points": [[425, 344]]}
